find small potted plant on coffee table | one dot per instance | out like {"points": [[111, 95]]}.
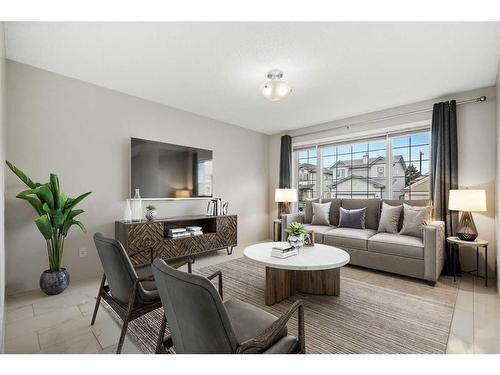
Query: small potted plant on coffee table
{"points": [[297, 233]]}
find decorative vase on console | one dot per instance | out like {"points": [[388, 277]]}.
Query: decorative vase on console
{"points": [[137, 206], [151, 212], [127, 212]]}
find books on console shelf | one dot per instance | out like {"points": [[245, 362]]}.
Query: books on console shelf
{"points": [[184, 232], [180, 235], [176, 230]]}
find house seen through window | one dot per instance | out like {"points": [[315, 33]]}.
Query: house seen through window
{"points": [[361, 170]]}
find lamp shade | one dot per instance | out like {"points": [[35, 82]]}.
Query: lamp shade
{"points": [[467, 200], [182, 193], [285, 195]]}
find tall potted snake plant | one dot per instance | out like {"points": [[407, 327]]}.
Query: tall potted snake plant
{"points": [[56, 215]]}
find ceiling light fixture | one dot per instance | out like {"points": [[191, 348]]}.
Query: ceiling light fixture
{"points": [[275, 88]]}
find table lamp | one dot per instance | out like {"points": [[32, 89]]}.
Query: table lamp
{"points": [[285, 197], [467, 201], [184, 193]]}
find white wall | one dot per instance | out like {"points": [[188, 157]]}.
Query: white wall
{"points": [[498, 179], [476, 143], [82, 133], [2, 183]]}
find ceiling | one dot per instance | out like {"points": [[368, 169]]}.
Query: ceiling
{"points": [[336, 70]]}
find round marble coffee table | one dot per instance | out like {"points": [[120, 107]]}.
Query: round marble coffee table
{"points": [[315, 270]]}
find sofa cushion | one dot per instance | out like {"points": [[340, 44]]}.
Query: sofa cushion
{"points": [[319, 230], [389, 218], [321, 213], [308, 210], [414, 219], [348, 237], [334, 210], [397, 244], [411, 202], [355, 218], [372, 210]]}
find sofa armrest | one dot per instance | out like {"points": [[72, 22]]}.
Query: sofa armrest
{"points": [[434, 253], [287, 219]]}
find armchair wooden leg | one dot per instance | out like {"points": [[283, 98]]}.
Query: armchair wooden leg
{"points": [[126, 319], [161, 334], [98, 302], [302, 335], [122, 337]]}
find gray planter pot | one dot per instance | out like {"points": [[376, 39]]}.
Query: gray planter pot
{"points": [[53, 283]]}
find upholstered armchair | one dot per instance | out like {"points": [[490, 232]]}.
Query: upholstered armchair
{"points": [[201, 322], [130, 291]]}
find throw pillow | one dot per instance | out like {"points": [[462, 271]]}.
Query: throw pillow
{"points": [[355, 218], [321, 212], [414, 219], [334, 210], [308, 212], [389, 219]]}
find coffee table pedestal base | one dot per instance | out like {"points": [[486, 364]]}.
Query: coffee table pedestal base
{"points": [[281, 284]]}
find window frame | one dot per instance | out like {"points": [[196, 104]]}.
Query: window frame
{"points": [[385, 136]]}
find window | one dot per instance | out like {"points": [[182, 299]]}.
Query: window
{"points": [[307, 175], [361, 169], [411, 165], [351, 170]]}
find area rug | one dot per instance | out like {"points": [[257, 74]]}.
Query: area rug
{"points": [[376, 312]]}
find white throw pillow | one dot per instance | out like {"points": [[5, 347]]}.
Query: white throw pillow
{"points": [[321, 213], [414, 219]]}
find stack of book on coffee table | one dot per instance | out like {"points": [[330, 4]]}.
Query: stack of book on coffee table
{"points": [[283, 251]]}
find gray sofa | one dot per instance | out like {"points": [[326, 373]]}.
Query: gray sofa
{"points": [[421, 258]]}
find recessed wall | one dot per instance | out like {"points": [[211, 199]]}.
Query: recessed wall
{"points": [[477, 146], [82, 133]]}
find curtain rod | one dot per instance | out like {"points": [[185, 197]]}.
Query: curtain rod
{"points": [[473, 100]]}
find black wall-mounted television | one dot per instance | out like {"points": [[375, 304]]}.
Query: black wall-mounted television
{"points": [[163, 170]]}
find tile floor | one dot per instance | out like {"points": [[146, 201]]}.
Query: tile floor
{"points": [[36, 323]]}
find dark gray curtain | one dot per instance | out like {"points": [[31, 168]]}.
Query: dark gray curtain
{"points": [[285, 170], [444, 170], [286, 162]]}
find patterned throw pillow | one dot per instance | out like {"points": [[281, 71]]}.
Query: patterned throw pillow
{"points": [[355, 218], [389, 219], [414, 219], [321, 213]]}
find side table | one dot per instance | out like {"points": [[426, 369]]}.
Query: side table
{"points": [[457, 242]]}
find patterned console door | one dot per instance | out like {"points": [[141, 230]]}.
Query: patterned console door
{"points": [[227, 231], [141, 235]]}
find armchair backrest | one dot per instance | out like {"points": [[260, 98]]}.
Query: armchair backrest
{"points": [[196, 316], [119, 271]]}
